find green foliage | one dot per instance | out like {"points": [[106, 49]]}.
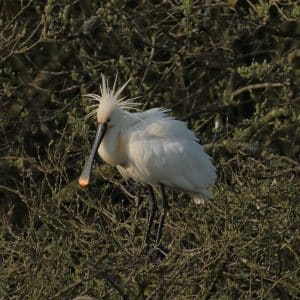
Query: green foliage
{"points": [[256, 70], [230, 69]]}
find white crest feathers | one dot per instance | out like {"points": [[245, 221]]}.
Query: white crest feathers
{"points": [[111, 97]]}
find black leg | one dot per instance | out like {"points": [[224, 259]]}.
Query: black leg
{"points": [[152, 214], [165, 207]]}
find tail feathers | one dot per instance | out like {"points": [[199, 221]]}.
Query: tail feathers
{"points": [[201, 198]]}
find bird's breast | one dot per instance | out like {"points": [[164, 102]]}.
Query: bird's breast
{"points": [[113, 150], [106, 155]]}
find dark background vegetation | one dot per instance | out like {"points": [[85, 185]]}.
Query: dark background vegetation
{"points": [[230, 69]]}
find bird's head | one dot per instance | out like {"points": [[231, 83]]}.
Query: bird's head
{"points": [[109, 111]]}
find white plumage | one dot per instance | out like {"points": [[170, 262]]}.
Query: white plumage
{"points": [[151, 147], [161, 150]]}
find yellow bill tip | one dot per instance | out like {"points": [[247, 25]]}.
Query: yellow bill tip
{"points": [[83, 182]]}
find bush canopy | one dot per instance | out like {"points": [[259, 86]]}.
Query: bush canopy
{"points": [[230, 69]]}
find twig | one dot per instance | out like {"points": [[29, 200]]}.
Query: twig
{"points": [[282, 34], [104, 274], [16, 16], [255, 87], [3, 187], [71, 286], [278, 174], [149, 62]]}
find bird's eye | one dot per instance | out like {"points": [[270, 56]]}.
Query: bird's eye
{"points": [[108, 122]]}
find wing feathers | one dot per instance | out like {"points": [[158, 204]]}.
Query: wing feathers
{"points": [[163, 150]]}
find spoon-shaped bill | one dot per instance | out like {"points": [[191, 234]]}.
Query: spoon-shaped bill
{"points": [[86, 172]]}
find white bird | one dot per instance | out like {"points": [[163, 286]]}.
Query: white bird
{"points": [[149, 147]]}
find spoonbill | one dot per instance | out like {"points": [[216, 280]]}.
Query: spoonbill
{"points": [[150, 147]]}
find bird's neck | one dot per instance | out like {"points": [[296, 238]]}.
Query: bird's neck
{"points": [[113, 147]]}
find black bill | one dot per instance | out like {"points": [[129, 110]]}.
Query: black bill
{"points": [[86, 172]]}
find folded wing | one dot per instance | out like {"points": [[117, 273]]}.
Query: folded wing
{"points": [[162, 150]]}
